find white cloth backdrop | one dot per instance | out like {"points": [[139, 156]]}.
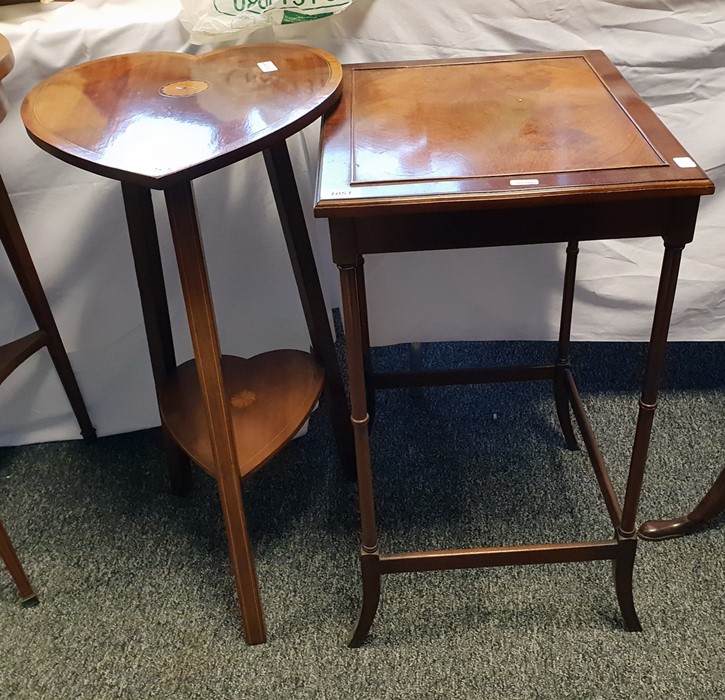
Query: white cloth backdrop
{"points": [[672, 52]]}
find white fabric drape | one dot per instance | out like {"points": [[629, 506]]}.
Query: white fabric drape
{"points": [[672, 52]]}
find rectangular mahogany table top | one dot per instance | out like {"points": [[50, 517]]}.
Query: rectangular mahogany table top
{"points": [[500, 131]]}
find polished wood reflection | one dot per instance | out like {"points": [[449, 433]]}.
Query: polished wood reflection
{"points": [[512, 118], [468, 133], [147, 117]]}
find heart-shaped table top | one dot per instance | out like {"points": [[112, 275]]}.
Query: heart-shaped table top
{"points": [[159, 118]]}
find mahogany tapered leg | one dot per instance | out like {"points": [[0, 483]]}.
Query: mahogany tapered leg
{"points": [[626, 533], [22, 264], [682, 225], [563, 362], [150, 279], [652, 377], [711, 505], [370, 556], [10, 557], [623, 571], [289, 207], [205, 340], [365, 340], [371, 579]]}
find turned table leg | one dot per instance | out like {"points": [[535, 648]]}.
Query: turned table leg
{"points": [[563, 363], [369, 555], [626, 533]]}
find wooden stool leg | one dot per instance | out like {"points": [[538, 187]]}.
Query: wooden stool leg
{"points": [[370, 556], [150, 279], [202, 326], [561, 395], [711, 505], [289, 208], [10, 557], [22, 264]]}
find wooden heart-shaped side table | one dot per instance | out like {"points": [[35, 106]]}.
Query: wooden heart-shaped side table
{"points": [[158, 121]]}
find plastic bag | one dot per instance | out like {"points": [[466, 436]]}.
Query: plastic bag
{"points": [[222, 20]]}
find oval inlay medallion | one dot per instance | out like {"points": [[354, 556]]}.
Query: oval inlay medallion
{"points": [[243, 399], [184, 88]]}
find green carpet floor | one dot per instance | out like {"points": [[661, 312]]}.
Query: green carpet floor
{"points": [[137, 600]]}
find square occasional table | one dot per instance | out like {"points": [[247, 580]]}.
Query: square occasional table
{"points": [[514, 150]]}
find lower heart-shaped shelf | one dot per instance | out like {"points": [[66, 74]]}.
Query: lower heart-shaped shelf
{"points": [[271, 395]]}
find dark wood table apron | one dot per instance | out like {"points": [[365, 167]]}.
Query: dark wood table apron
{"points": [[157, 121], [516, 150]]}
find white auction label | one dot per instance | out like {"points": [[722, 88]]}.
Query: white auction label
{"points": [[529, 181], [267, 67], [685, 162]]}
